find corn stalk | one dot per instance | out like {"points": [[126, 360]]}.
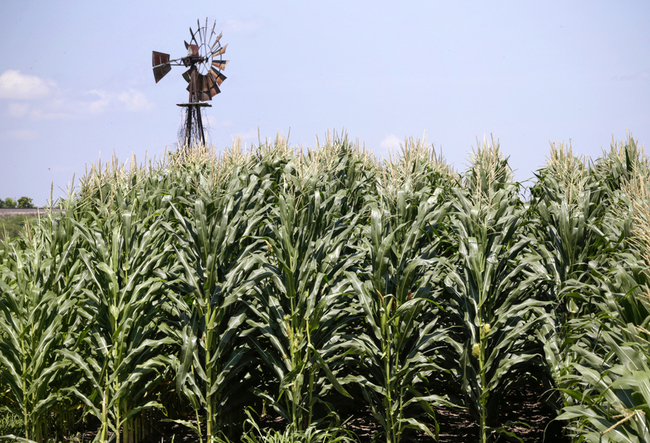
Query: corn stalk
{"points": [[303, 304], [491, 288], [397, 368], [37, 286], [217, 261], [120, 350]]}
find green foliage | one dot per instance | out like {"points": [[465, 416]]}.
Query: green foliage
{"points": [[119, 339], [273, 280], [9, 203], [35, 310], [217, 261], [596, 340], [25, 203], [22, 203], [11, 227], [491, 291], [11, 424]]}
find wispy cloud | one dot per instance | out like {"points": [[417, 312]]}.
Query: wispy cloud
{"points": [[100, 104], [20, 134], [17, 86], [18, 109], [64, 105], [390, 142], [134, 100], [55, 103], [45, 114], [214, 122]]}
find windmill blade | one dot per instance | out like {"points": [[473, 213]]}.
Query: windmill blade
{"points": [[216, 42], [198, 91], [210, 86], [187, 45], [199, 32], [161, 66], [159, 58], [220, 64], [203, 87], [187, 75], [221, 51], [199, 87], [160, 71], [218, 76], [192, 88], [193, 36]]}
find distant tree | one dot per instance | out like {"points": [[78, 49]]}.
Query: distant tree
{"points": [[10, 203], [2, 203], [25, 203]]}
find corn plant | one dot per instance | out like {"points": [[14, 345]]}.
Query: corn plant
{"points": [[493, 305], [612, 389], [582, 231], [119, 351], [396, 349], [576, 240], [217, 260], [490, 292], [609, 382], [303, 305], [37, 286]]}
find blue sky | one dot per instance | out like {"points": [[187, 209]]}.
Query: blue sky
{"points": [[76, 79]]}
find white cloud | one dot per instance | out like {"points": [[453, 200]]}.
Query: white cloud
{"points": [[134, 100], [40, 114], [241, 25], [390, 143], [17, 86], [99, 105], [18, 109], [61, 104], [21, 134]]}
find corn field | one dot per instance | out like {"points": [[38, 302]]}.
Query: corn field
{"points": [[210, 291]]}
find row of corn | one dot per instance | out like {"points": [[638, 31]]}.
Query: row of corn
{"points": [[209, 290]]}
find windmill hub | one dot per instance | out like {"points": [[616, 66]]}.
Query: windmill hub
{"points": [[204, 76]]}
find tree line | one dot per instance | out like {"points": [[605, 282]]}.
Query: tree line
{"points": [[21, 203]]}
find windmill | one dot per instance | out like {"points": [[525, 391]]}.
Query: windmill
{"points": [[205, 62]]}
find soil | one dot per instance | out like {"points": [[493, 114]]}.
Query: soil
{"points": [[533, 423]]}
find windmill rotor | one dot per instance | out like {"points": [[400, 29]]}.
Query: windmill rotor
{"points": [[204, 62]]}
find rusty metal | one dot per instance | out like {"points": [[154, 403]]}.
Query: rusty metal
{"points": [[160, 71], [220, 64], [205, 62], [161, 65], [220, 51], [219, 77], [160, 58]]}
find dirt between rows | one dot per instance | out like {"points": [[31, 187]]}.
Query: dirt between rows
{"points": [[455, 425]]}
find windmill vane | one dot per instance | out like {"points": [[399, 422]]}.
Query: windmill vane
{"points": [[205, 62]]}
